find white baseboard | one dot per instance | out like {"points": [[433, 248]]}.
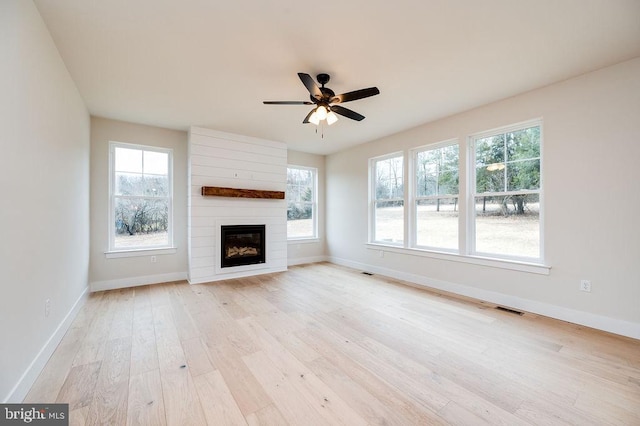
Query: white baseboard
{"points": [[28, 378], [137, 281], [600, 322], [303, 260]]}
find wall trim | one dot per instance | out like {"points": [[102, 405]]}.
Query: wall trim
{"points": [[137, 281], [30, 375], [600, 322], [303, 260]]}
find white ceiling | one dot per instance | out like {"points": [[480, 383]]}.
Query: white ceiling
{"points": [[211, 63]]}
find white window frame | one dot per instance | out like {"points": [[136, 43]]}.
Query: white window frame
{"points": [[373, 199], [314, 204], [466, 205], [114, 252], [472, 193], [414, 198]]}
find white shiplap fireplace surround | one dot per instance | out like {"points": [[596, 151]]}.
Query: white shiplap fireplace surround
{"points": [[234, 161]]}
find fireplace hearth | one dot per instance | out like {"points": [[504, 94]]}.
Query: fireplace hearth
{"points": [[242, 245]]}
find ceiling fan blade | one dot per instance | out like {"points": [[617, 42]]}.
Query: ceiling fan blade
{"points": [[306, 119], [356, 94], [287, 103], [347, 112], [311, 85]]}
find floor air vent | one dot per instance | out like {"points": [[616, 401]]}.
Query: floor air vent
{"points": [[368, 273], [511, 311]]}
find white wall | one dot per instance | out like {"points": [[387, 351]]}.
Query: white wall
{"points": [[44, 182], [108, 273], [234, 161], [592, 202], [313, 250]]}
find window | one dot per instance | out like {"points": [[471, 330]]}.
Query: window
{"points": [[436, 197], [500, 197], [388, 199], [140, 197], [301, 202], [506, 191]]}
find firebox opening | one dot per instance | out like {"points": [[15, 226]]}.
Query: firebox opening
{"points": [[242, 245]]}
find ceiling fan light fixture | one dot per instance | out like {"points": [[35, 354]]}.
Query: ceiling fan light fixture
{"points": [[314, 118], [322, 98], [331, 118], [321, 112]]}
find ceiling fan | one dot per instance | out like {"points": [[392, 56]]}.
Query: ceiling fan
{"points": [[326, 100]]}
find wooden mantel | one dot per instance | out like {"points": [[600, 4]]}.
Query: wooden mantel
{"points": [[217, 191]]}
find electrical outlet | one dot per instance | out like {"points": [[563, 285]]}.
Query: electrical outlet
{"points": [[381, 253], [585, 285], [47, 307], [154, 259]]}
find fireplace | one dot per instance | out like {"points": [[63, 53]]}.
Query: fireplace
{"points": [[242, 245]]}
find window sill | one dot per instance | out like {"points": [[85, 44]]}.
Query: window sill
{"points": [[114, 254], [308, 240], [534, 268]]}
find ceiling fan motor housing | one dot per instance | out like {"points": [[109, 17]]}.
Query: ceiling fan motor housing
{"points": [[323, 78], [327, 94]]}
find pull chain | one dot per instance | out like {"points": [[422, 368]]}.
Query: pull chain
{"points": [[321, 130]]}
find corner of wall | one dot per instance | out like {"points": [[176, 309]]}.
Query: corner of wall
{"points": [[29, 377]]}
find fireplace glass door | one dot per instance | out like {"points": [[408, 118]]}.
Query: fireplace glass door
{"points": [[242, 245]]}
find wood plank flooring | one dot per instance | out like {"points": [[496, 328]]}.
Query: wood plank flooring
{"points": [[325, 345]]}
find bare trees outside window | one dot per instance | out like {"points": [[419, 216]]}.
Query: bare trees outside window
{"points": [[436, 197], [507, 189], [500, 197], [388, 199], [301, 202], [141, 193]]}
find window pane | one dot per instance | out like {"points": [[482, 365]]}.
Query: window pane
{"points": [[489, 150], [128, 160], [300, 220], [508, 225], [156, 186], [490, 178], [523, 144], [300, 184], [297, 211], [509, 161], [389, 178], [523, 175], [129, 184], [141, 222], [389, 221], [427, 184], [437, 171], [156, 163], [300, 202], [490, 166], [437, 223]]}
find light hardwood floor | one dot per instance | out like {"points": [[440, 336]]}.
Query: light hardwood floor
{"points": [[322, 344]]}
